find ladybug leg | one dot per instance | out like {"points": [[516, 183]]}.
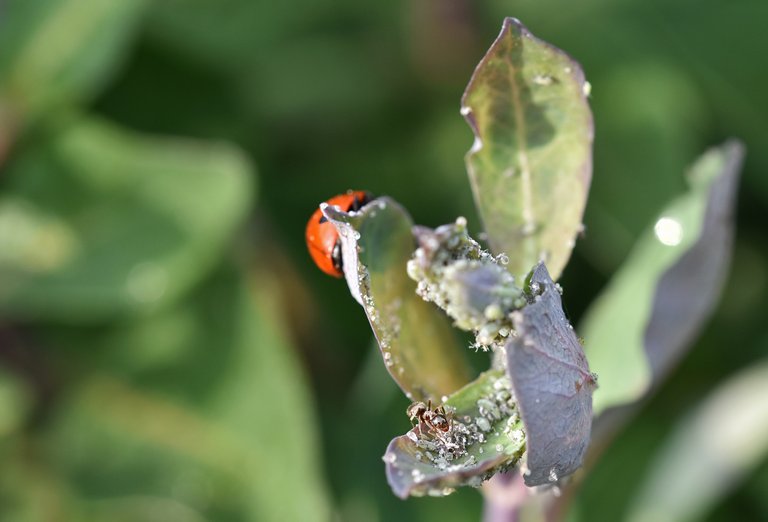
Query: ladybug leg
{"points": [[336, 256], [359, 201]]}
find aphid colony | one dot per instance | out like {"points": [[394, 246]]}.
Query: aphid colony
{"points": [[445, 439]]}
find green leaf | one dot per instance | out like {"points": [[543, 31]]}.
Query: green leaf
{"points": [[60, 51], [531, 163], [416, 340], [485, 426], [655, 305], [710, 452], [96, 221], [219, 428]]}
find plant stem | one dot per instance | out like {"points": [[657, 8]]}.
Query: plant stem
{"points": [[505, 495]]}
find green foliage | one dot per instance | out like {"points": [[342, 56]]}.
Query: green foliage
{"points": [[531, 163]]}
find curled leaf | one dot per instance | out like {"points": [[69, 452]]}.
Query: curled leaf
{"points": [[416, 341], [467, 282], [486, 436], [552, 384], [531, 163], [652, 309]]}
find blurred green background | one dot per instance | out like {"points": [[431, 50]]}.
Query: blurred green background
{"points": [[168, 351]]}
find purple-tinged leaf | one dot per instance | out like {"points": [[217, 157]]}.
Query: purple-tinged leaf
{"points": [[531, 163], [688, 292], [552, 383], [418, 345], [650, 313], [485, 415]]}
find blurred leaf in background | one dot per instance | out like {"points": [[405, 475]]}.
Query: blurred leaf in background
{"points": [[198, 412], [710, 451], [59, 52], [96, 221], [647, 317]]}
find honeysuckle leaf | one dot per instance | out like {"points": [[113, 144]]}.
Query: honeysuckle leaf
{"points": [[486, 436], [416, 340], [531, 163], [653, 307], [552, 384]]}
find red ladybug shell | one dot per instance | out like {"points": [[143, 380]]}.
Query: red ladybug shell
{"points": [[322, 237]]}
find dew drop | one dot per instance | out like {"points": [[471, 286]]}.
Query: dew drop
{"points": [[543, 80], [668, 231], [553, 475]]}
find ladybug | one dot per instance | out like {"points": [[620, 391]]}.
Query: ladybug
{"points": [[323, 238]]}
